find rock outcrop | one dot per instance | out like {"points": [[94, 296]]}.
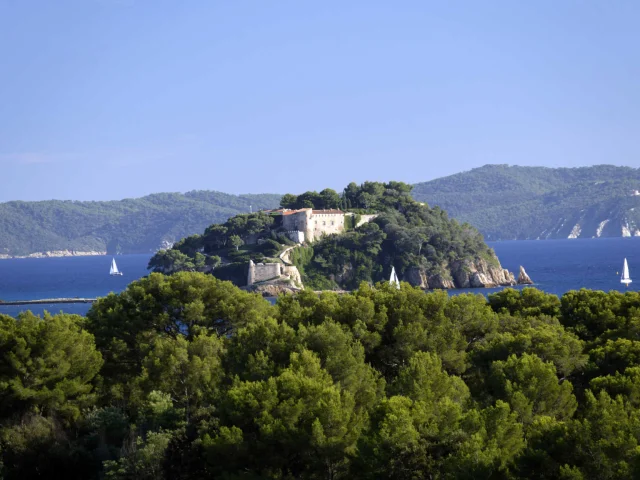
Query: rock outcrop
{"points": [[439, 281], [465, 274], [481, 274], [523, 278], [416, 277], [272, 289]]}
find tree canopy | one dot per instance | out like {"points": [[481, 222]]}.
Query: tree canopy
{"points": [[188, 377]]}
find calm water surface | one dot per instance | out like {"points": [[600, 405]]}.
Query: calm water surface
{"points": [[85, 277], [555, 266]]}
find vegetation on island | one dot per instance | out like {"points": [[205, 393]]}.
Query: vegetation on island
{"points": [[511, 202], [188, 377], [405, 234], [138, 225]]}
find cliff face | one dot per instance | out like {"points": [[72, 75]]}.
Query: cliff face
{"points": [[464, 274]]}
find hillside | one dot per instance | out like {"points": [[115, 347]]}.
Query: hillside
{"points": [[510, 202], [126, 226], [380, 227]]}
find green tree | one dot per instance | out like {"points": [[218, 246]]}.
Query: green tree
{"points": [[47, 365], [189, 371], [142, 459], [329, 199], [288, 201], [300, 422], [236, 241], [126, 325], [531, 388]]}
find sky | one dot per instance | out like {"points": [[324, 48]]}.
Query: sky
{"points": [[111, 99]]}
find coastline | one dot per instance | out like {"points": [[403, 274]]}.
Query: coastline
{"points": [[54, 254]]}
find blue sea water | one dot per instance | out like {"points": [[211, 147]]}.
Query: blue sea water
{"points": [[556, 266], [84, 277]]}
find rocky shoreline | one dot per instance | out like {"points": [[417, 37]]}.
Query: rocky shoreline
{"points": [[53, 254], [467, 274]]}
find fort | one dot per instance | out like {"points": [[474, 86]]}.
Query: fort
{"points": [[307, 224], [303, 225], [273, 272]]}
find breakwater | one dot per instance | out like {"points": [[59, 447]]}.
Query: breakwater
{"points": [[47, 301]]}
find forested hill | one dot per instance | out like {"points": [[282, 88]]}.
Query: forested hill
{"points": [[424, 246], [125, 226], [511, 202]]}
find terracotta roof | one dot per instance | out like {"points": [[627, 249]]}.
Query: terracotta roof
{"points": [[291, 212]]}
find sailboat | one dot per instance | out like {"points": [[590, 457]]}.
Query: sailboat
{"points": [[394, 278], [114, 268], [625, 274]]}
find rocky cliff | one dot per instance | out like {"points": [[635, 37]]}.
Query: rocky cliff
{"points": [[467, 274]]}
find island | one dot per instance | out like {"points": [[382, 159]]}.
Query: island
{"points": [[330, 241]]}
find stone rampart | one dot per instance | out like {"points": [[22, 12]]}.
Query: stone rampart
{"points": [[272, 272]]}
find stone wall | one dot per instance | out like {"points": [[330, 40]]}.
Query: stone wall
{"points": [[295, 236], [262, 272], [314, 223], [325, 222]]}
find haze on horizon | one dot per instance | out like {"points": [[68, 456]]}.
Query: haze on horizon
{"points": [[108, 99]]}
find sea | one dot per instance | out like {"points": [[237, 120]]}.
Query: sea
{"points": [[556, 266]]}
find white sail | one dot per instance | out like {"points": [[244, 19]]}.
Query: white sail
{"points": [[625, 274], [114, 268], [394, 278]]}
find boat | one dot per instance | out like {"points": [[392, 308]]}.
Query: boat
{"points": [[393, 280], [625, 274], [114, 268]]}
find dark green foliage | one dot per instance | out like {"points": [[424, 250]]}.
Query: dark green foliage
{"points": [[202, 253], [270, 248], [404, 235], [127, 226], [188, 377], [511, 202], [327, 199], [46, 365]]}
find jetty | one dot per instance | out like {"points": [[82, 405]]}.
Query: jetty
{"points": [[46, 301]]}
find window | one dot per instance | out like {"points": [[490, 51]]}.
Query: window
{"points": [[332, 223], [324, 223]]}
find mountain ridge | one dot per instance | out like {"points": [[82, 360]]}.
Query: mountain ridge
{"points": [[503, 202], [138, 225], [508, 202]]}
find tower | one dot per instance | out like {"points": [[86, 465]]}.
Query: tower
{"points": [[251, 275]]}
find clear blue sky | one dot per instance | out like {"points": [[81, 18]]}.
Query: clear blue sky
{"points": [[106, 99]]}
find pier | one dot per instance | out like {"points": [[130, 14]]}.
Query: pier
{"points": [[46, 301]]}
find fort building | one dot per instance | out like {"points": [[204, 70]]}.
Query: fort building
{"points": [[313, 223], [272, 272]]}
